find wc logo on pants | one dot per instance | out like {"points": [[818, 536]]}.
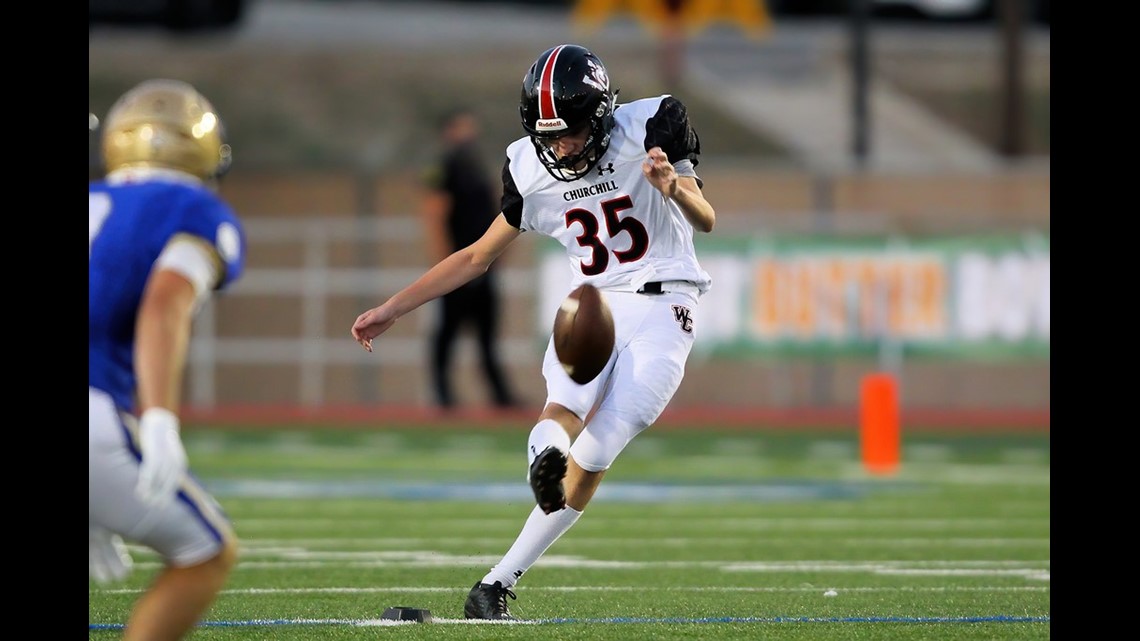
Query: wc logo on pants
{"points": [[684, 316]]}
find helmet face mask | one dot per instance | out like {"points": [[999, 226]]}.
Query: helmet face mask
{"points": [[565, 92], [165, 124], [572, 166]]}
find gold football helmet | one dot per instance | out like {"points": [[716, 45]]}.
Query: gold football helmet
{"points": [[166, 124]]}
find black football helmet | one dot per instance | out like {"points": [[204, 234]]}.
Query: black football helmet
{"points": [[566, 90]]}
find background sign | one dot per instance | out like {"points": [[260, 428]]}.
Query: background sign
{"points": [[975, 297]]}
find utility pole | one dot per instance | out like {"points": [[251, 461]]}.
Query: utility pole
{"points": [[1012, 17], [672, 45], [860, 77]]}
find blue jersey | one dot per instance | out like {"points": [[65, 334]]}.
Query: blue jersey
{"points": [[130, 224]]}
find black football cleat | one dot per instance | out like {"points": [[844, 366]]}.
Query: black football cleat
{"points": [[489, 602], [546, 474]]}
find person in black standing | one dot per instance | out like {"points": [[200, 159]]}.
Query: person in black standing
{"points": [[459, 204]]}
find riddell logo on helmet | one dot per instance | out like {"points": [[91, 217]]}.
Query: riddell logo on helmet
{"points": [[550, 125]]}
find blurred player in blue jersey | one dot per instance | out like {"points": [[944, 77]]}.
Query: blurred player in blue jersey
{"points": [[616, 185], [161, 242]]}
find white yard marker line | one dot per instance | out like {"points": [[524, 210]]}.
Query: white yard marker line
{"points": [[427, 590], [757, 523], [612, 620], [1032, 569], [253, 546]]}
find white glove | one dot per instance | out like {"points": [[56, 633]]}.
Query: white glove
{"points": [[163, 457], [109, 559]]}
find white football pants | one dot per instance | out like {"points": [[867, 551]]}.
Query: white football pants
{"points": [[189, 530], [653, 335]]}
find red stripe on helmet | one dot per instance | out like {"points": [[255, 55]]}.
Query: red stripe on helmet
{"points": [[546, 87]]}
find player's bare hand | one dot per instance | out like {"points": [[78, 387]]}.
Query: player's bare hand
{"points": [[371, 324], [660, 172]]}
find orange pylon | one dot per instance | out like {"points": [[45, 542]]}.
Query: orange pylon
{"points": [[879, 423]]}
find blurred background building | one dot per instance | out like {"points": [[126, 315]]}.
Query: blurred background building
{"points": [[880, 170]]}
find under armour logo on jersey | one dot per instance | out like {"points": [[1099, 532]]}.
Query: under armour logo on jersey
{"points": [[602, 170], [684, 316]]}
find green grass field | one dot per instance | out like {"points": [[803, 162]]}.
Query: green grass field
{"points": [[695, 534]]}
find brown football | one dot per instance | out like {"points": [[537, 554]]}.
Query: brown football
{"points": [[584, 334]]}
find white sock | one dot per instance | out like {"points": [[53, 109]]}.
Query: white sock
{"points": [[546, 433], [539, 532]]}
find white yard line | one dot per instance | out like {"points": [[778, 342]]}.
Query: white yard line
{"points": [[593, 588], [258, 547]]}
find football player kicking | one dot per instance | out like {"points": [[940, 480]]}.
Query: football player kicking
{"points": [[616, 185], [161, 241]]}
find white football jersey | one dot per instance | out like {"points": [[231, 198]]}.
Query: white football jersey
{"points": [[618, 230]]}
